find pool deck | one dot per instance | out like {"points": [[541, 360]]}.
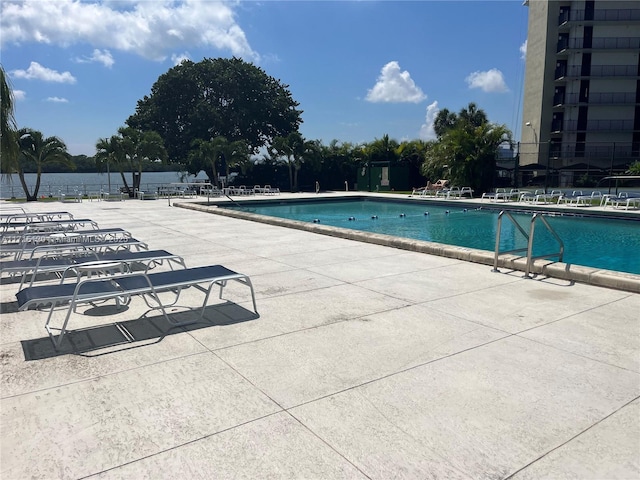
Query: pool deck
{"points": [[365, 361]]}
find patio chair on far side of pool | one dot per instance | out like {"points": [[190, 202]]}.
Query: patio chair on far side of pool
{"points": [[466, 192], [423, 191], [569, 198], [493, 196], [623, 200]]}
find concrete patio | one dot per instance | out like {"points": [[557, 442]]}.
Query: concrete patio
{"points": [[364, 361]]}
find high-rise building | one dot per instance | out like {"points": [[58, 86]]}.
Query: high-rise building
{"points": [[582, 85]]}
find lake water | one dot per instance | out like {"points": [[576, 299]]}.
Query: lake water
{"points": [[53, 183]]}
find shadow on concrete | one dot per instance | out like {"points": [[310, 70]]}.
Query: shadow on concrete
{"points": [[123, 335]]}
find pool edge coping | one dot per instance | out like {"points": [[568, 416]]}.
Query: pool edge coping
{"points": [[592, 276]]}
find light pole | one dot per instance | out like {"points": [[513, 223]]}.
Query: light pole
{"points": [[108, 176], [535, 135], [535, 139]]}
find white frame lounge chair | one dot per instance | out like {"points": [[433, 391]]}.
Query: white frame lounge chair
{"points": [[108, 244], [58, 261], [29, 236], [17, 221], [493, 196], [122, 286], [567, 199], [623, 200]]}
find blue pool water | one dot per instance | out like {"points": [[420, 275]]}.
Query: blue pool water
{"points": [[594, 242]]}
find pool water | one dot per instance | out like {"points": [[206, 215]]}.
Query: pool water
{"points": [[593, 242]]}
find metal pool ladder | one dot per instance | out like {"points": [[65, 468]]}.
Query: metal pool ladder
{"points": [[529, 236]]}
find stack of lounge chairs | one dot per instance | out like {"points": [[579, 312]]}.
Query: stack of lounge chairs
{"points": [[94, 266]]}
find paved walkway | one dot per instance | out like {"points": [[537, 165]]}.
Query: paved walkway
{"points": [[365, 362]]}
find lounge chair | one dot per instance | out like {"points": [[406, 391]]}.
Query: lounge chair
{"points": [[493, 196], [30, 241], [30, 236], [449, 193], [624, 200], [440, 184], [466, 192], [17, 221], [42, 225], [268, 190], [121, 286], [107, 245], [70, 197], [528, 197], [567, 199], [57, 261], [587, 200], [113, 196], [147, 195]]}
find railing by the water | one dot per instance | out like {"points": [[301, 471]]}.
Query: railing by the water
{"points": [[529, 236], [14, 189]]}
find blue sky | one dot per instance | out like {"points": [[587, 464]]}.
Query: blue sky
{"points": [[359, 70]]}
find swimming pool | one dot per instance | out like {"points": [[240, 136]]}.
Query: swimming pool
{"points": [[611, 244]]}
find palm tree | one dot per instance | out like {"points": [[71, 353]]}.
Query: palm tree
{"points": [[39, 151], [473, 115], [466, 149], [8, 135], [129, 150], [205, 155], [140, 147], [236, 155], [295, 150], [109, 151], [383, 149]]}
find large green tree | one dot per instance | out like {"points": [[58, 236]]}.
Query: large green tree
{"points": [[216, 97], [38, 150], [466, 147]]}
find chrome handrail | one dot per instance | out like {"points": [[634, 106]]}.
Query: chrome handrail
{"points": [[529, 236], [530, 257]]}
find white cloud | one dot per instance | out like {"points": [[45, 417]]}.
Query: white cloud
{"points": [[19, 95], [395, 86], [101, 56], [489, 81], [57, 100], [147, 28], [177, 59], [426, 131], [38, 72], [523, 50]]}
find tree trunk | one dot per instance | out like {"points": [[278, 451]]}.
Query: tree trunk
{"points": [[124, 182], [137, 177], [29, 197], [290, 174]]}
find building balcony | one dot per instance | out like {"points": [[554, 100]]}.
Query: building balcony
{"points": [[594, 126], [604, 15], [598, 43], [625, 71], [603, 152], [598, 98]]}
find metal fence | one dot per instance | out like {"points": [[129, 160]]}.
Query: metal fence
{"points": [[565, 165], [14, 189]]}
